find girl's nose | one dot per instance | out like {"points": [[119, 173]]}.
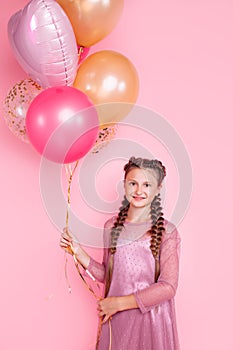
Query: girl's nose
{"points": [[138, 189]]}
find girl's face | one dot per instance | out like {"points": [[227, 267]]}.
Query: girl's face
{"points": [[141, 186]]}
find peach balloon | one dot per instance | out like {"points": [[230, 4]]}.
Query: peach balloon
{"points": [[92, 20], [110, 80]]}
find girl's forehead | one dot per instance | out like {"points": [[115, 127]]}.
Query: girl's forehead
{"points": [[142, 174]]}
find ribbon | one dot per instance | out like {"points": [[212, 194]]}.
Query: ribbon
{"points": [[70, 173]]}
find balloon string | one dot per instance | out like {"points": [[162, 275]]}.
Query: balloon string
{"points": [[83, 279], [70, 173], [66, 275], [110, 334], [80, 51], [98, 298]]}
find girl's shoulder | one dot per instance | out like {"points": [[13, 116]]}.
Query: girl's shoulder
{"points": [[170, 227], [110, 222], [107, 231], [170, 230]]}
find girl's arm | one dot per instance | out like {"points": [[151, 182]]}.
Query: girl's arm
{"points": [[166, 286], [96, 269], [70, 245]]}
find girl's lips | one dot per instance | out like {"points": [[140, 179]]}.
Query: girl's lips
{"points": [[137, 198]]}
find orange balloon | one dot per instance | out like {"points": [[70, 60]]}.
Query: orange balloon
{"points": [[92, 20], [110, 80]]}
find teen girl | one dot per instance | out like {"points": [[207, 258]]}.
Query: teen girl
{"points": [[140, 266]]}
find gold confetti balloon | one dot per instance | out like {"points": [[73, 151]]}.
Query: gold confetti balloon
{"points": [[16, 105], [106, 134]]}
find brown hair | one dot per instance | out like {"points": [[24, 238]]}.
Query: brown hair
{"points": [[157, 220]]}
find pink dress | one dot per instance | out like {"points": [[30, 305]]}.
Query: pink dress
{"points": [[152, 326]]}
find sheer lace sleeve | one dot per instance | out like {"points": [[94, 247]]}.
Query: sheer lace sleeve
{"points": [[96, 269], [167, 283]]}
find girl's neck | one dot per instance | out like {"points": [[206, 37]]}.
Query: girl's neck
{"points": [[138, 215]]}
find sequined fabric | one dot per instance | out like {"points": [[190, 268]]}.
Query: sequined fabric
{"points": [[152, 326]]}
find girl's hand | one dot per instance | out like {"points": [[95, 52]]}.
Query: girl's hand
{"points": [[111, 305], [67, 241], [108, 307]]}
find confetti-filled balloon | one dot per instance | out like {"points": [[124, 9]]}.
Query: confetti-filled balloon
{"points": [[16, 105], [106, 134]]}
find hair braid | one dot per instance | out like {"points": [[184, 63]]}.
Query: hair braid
{"points": [[115, 233], [118, 224], [156, 231]]}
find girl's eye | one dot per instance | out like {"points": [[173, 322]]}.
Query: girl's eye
{"points": [[147, 185], [132, 183]]}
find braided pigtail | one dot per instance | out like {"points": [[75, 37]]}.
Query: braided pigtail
{"points": [[115, 233], [156, 231]]}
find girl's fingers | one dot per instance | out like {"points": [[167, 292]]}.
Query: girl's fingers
{"points": [[64, 241], [105, 318], [64, 245], [66, 233], [65, 236], [69, 237]]}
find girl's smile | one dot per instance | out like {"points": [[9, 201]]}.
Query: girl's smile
{"points": [[137, 198]]}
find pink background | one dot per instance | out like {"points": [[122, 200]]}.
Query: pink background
{"points": [[183, 53]]}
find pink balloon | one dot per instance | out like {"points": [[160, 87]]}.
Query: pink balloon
{"points": [[44, 43], [62, 124]]}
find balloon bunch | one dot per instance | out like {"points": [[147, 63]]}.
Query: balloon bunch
{"points": [[70, 103], [79, 97]]}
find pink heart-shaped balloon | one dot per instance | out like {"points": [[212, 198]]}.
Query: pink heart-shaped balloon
{"points": [[44, 43]]}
